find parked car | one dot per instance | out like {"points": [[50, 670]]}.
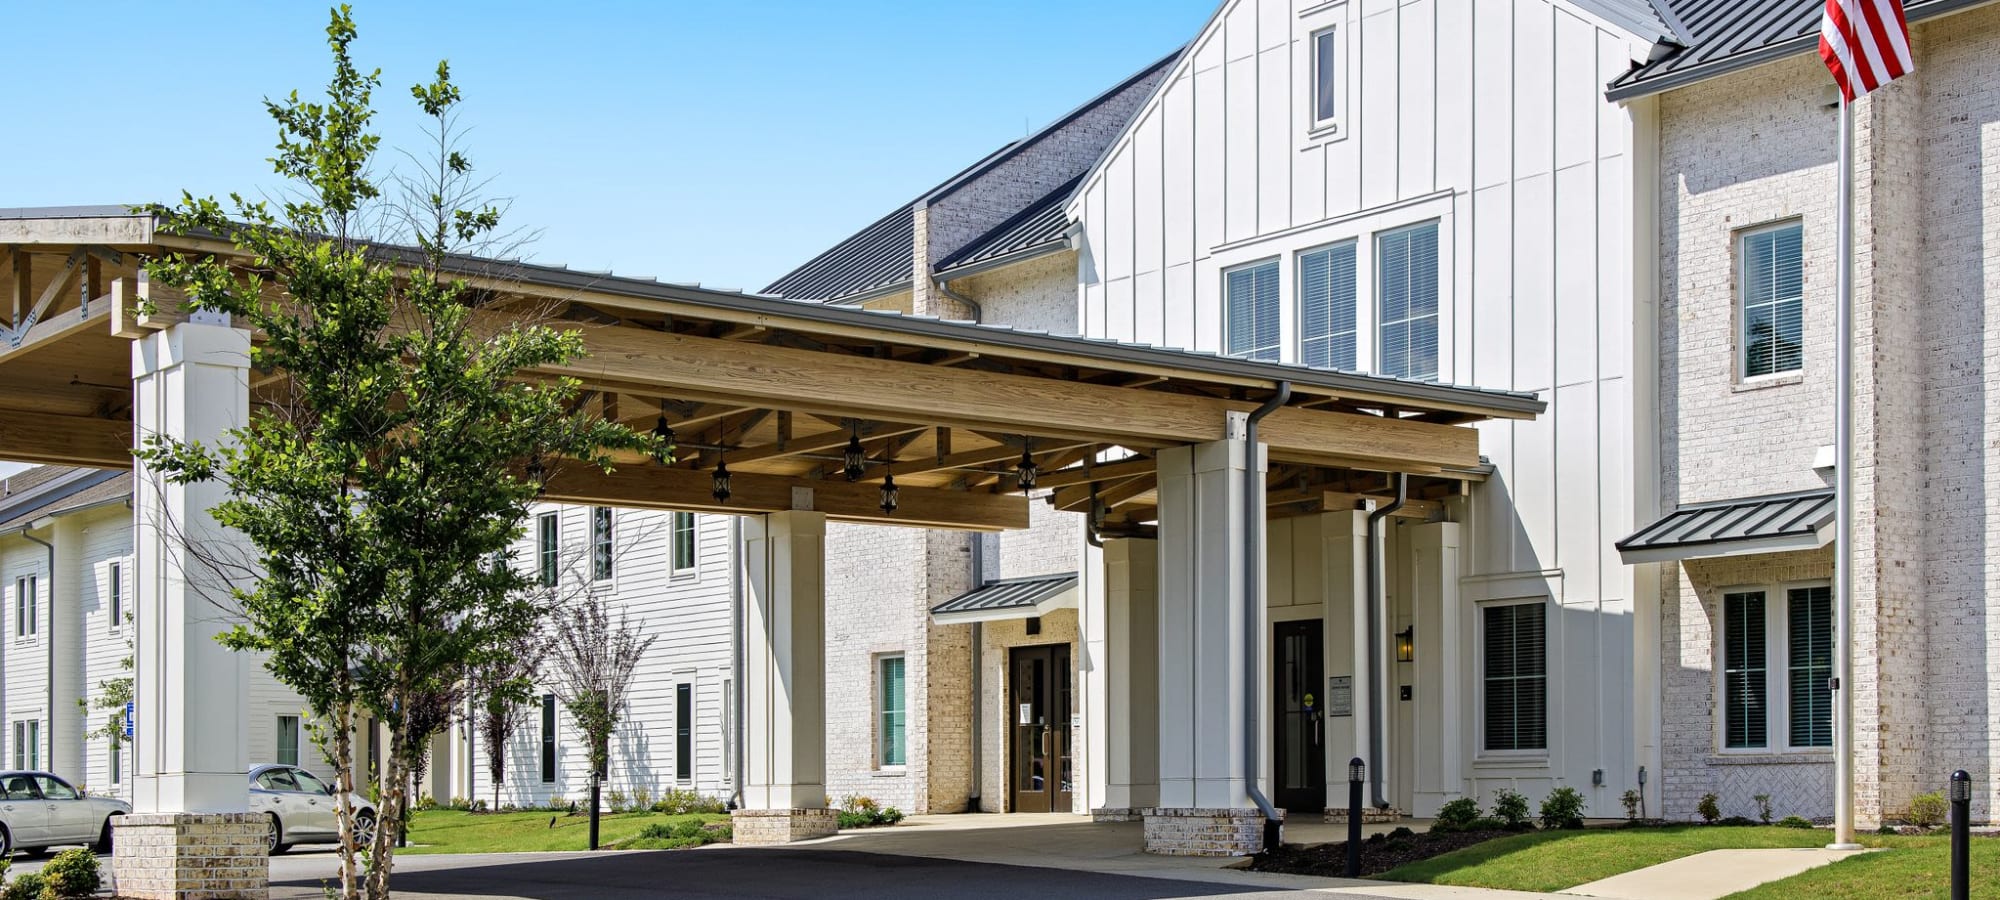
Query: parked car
{"points": [[302, 808], [39, 810]]}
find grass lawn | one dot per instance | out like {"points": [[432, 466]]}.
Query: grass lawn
{"points": [[1909, 867], [451, 831], [1555, 860]]}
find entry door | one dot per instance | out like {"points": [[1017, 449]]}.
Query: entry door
{"points": [[1038, 706], [1301, 721]]}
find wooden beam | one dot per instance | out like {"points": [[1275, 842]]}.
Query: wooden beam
{"points": [[826, 384], [828, 440], [63, 280], [54, 331], [21, 287], [663, 487], [1099, 472], [1077, 498], [65, 440], [1412, 509]]}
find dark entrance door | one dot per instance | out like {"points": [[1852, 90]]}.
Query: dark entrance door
{"points": [[1300, 696], [1038, 706]]}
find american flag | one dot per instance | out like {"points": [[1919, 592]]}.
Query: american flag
{"points": [[1865, 43]]}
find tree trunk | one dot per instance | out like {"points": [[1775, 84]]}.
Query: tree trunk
{"points": [[343, 804], [389, 814]]}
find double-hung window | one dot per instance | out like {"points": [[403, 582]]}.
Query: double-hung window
{"points": [[548, 739], [891, 748], [288, 740], [1760, 637], [28, 744], [115, 593], [1326, 307], [1772, 284], [683, 542], [600, 543], [1406, 288], [548, 546], [1251, 301], [1515, 676], [27, 597], [684, 731]]}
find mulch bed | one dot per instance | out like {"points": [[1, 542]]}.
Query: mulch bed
{"points": [[1379, 853]]}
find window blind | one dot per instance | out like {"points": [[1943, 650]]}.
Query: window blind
{"points": [[1406, 275], [1745, 705], [1326, 300], [1516, 677], [1810, 658], [1773, 293], [1251, 295]]}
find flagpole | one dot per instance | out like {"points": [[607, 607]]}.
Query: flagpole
{"points": [[1843, 424]]}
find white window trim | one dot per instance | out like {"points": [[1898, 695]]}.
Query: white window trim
{"points": [[1517, 757], [536, 542], [1364, 273], [1287, 317], [1777, 670], [1739, 303], [1375, 296], [590, 548], [693, 568], [876, 676], [690, 678], [115, 606], [1314, 21], [29, 611]]}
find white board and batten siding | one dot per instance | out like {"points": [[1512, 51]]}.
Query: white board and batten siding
{"points": [[1486, 117]]}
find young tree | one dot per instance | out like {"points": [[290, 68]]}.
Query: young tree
{"points": [[377, 482], [594, 659], [502, 686]]}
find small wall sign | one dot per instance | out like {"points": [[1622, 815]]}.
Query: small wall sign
{"points": [[1340, 695], [1027, 714]]}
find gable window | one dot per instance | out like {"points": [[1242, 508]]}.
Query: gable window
{"points": [[1326, 77], [600, 543], [1406, 287], [548, 535], [890, 749], [1764, 637], [1772, 284], [26, 605], [1250, 298], [548, 738], [684, 731], [288, 740], [115, 575], [683, 542], [1326, 301], [1515, 676], [1744, 691]]}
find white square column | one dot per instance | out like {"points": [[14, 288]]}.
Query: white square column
{"points": [[1131, 707], [1205, 807], [190, 833], [784, 673]]}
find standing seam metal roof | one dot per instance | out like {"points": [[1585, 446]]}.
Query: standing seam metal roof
{"points": [[1800, 513], [1012, 593]]}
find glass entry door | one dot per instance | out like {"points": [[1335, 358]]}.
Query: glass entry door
{"points": [[1038, 708], [1298, 664]]}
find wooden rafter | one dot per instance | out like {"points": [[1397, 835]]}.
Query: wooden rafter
{"points": [[664, 487]]}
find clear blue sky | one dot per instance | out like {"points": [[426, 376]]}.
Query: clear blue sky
{"points": [[714, 142]]}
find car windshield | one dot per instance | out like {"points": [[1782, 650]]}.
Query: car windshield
{"points": [[309, 784], [55, 788]]}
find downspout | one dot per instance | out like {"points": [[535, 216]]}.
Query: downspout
{"points": [[944, 290], [1378, 603], [736, 656], [977, 705], [1253, 600], [49, 641]]}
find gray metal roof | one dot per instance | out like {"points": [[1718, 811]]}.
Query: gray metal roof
{"points": [[1041, 227], [1006, 598], [50, 490], [1642, 17], [1719, 36], [1768, 524]]}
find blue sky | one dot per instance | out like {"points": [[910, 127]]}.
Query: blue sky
{"points": [[717, 142]]}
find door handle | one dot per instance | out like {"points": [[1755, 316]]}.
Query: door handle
{"points": [[1045, 742]]}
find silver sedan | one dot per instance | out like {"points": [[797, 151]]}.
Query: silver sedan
{"points": [[302, 809], [39, 810]]}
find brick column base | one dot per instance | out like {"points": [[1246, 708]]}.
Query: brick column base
{"points": [[781, 826], [1369, 816], [185, 856], [1203, 832], [1115, 814]]}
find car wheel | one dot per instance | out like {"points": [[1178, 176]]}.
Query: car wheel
{"points": [[103, 844], [6, 844], [274, 837], [364, 828]]}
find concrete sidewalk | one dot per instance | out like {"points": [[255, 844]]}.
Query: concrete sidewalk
{"points": [[1711, 875]]}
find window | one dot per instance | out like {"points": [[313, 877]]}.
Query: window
{"points": [[1516, 677], [26, 602], [683, 541], [1809, 652], [1251, 296], [600, 543], [288, 740], [684, 731], [1326, 301], [1744, 699], [1326, 77], [548, 738], [1406, 276], [889, 739], [1773, 291], [728, 730], [117, 759], [548, 540], [115, 602], [28, 744]]}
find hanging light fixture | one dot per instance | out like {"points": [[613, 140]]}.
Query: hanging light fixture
{"points": [[721, 488], [539, 474], [664, 435], [1027, 469], [889, 493], [854, 461]]}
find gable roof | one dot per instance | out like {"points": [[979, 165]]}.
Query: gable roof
{"points": [[1039, 229], [1721, 36], [53, 490]]}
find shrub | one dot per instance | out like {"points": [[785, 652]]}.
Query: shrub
{"points": [[864, 812], [1736, 821], [1563, 808], [71, 875], [1927, 810], [1794, 822], [1400, 833], [1487, 823], [1710, 808], [1763, 807], [642, 799], [1512, 809], [1631, 799], [676, 802], [614, 800], [1456, 815], [673, 836], [27, 886]]}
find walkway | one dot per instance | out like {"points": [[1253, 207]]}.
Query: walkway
{"points": [[1711, 875]]}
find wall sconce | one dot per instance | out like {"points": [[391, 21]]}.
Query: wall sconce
{"points": [[1406, 644]]}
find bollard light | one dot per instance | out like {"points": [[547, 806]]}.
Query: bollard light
{"points": [[1961, 787], [1357, 771], [1961, 830]]}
